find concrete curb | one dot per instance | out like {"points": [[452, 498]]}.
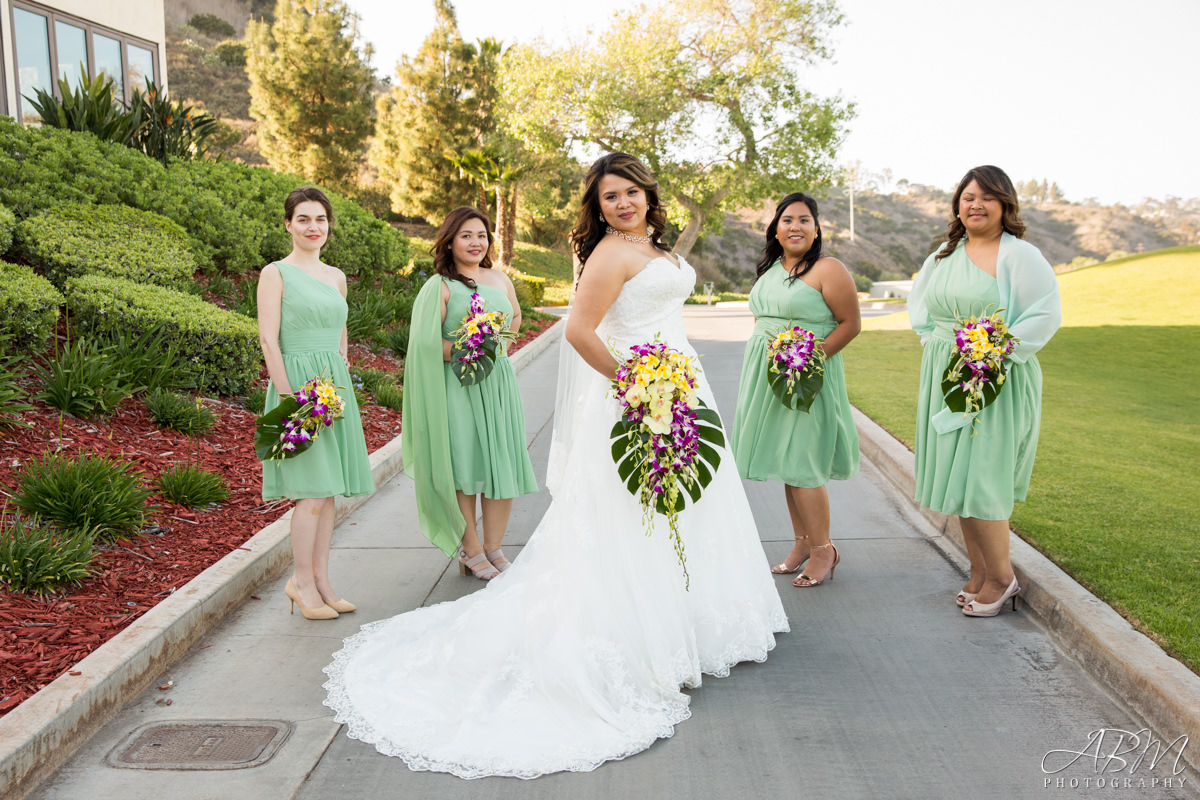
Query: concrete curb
{"points": [[40, 735], [1158, 689]]}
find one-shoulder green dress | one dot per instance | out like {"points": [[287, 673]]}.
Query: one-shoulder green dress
{"points": [[488, 450], [772, 442], [977, 472], [312, 315]]}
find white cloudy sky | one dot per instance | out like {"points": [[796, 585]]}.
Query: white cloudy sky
{"points": [[1097, 95]]}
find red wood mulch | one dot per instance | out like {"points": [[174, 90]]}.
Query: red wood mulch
{"points": [[42, 638]]}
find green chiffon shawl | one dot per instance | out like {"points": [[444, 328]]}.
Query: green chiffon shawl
{"points": [[425, 440]]}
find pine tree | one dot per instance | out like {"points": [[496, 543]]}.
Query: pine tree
{"points": [[441, 105], [310, 90]]}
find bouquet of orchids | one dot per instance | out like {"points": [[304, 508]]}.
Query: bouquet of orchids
{"points": [[291, 427], [796, 367], [664, 442], [476, 340], [978, 362]]}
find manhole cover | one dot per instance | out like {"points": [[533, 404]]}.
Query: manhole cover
{"points": [[201, 744]]}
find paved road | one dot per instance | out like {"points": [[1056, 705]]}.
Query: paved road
{"points": [[882, 690]]}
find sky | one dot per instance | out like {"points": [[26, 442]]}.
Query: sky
{"points": [[1098, 96]]}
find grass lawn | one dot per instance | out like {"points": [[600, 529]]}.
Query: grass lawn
{"points": [[1115, 498]]}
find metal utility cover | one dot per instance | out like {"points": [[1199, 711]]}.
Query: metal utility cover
{"points": [[201, 744]]}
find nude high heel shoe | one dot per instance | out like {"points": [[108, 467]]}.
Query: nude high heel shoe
{"points": [[976, 609], [475, 566], [805, 580], [964, 597], [341, 606], [320, 612], [496, 557]]}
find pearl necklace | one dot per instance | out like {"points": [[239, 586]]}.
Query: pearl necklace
{"points": [[628, 237]]}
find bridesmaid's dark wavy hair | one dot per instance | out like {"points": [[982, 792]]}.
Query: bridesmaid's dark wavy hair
{"points": [[993, 181], [305, 194], [774, 250], [591, 225], [443, 255]]}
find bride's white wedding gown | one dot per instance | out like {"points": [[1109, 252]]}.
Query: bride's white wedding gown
{"points": [[577, 653]]}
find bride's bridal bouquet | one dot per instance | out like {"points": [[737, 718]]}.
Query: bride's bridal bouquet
{"points": [[293, 426], [663, 444], [978, 362], [476, 340], [796, 366]]}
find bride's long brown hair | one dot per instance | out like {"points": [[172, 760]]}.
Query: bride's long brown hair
{"points": [[591, 226]]}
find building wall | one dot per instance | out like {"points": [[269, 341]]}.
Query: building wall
{"points": [[141, 19]]}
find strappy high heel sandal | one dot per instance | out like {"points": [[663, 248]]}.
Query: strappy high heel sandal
{"points": [[498, 560], [805, 580], [782, 568], [477, 565]]}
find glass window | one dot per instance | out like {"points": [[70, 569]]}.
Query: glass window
{"points": [[109, 62], [71, 46], [141, 67], [32, 35]]}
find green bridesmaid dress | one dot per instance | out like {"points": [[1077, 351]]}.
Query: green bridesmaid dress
{"points": [[312, 316], [488, 451], [973, 473], [772, 442]]}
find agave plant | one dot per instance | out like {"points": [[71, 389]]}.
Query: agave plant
{"points": [[91, 105]]}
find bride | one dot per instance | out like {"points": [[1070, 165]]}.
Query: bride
{"points": [[577, 654]]}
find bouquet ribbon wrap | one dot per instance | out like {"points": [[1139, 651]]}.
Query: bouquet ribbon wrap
{"points": [[425, 441]]}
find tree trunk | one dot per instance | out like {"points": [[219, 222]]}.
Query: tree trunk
{"points": [[504, 242], [508, 230], [687, 239]]}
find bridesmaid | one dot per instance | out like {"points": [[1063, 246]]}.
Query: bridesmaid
{"points": [[461, 442], [302, 329], [977, 471], [797, 285]]}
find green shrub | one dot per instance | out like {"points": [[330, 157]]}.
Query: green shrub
{"points": [[211, 25], [169, 130], [220, 348], [34, 560], [222, 288], [372, 379], [245, 299], [530, 290], [108, 240], [233, 212], [188, 485], [8, 221], [389, 395], [395, 339], [84, 493], [151, 358], [12, 396], [255, 400], [84, 378], [230, 53], [186, 415], [30, 305], [368, 312]]}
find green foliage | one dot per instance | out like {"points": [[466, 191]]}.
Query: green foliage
{"points": [[699, 82], [372, 379], [169, 130], [231, 53], [12, 395], [91, 106], [86, 493], [233, 213], [389, 395], [36, 561], [123, 242], [532, 259], [395, 338], [8, 221], [530, 290], [30, 305], [255, 400], [189, 485], [186, 415], [441, 103], [862, 283], [368, 312], [220, 348], [310, 90], [211, 25], [84, 378]]}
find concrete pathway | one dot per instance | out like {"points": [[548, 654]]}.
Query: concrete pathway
{"points": [[882, 690]]}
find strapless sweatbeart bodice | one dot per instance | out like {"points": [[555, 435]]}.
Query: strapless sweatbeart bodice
{"points": [[649, 306]]}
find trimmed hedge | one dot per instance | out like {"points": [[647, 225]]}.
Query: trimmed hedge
{"points": [[30, 304], [8, 221], [530, 289], [233, 213], [118, 241], [221, 347]]}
